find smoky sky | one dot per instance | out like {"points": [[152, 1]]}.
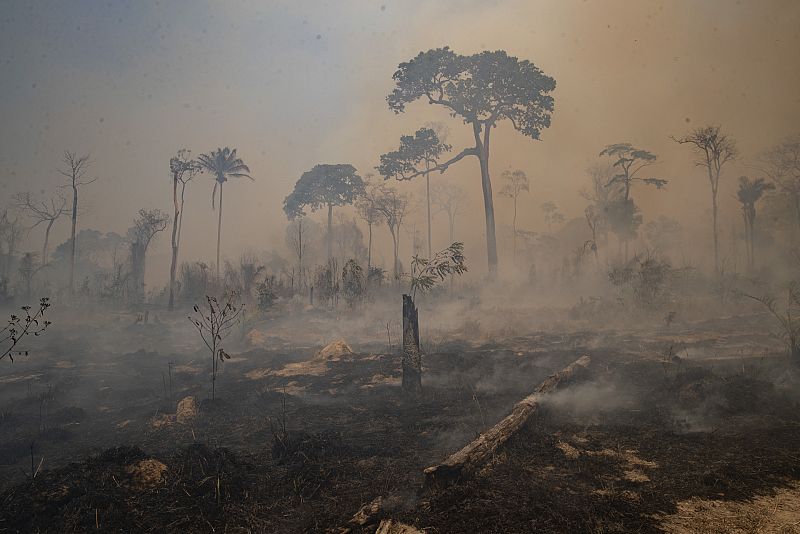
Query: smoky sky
{"points": [[293, 84]]}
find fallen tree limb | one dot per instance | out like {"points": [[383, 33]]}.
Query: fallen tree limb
{"points": [[475, 454]]}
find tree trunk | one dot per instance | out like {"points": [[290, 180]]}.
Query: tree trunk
{"points": [[514, 229], [46, 240], [395, 266], [488, 202], [470, 458], [174, 263], [412, 355], [72, 239], [369, 250], [330, 232], [714, 209], [428, 198], [219, 232]]}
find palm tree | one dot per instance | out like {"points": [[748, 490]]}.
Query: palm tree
{"points": [[223, 164], [750, 192]]}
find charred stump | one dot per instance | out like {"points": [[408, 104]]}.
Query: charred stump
{"points": [[412, 355]]}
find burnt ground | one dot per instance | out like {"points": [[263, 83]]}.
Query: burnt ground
{"points": [[646, 438]]}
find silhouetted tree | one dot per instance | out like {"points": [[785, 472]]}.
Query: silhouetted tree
{"points": [[42, 211], [482, 89], [392, 205], [448, 198], [515, 183], [145, 227], [10, 237], [749, 193], [324, 185], [366, 206], [782, 164], [222, 163], [551, 215], [628, 162], [74, 170], [714, 149], [417, 155], [182, 168]]}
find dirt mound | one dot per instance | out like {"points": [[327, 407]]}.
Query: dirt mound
{"points": [[334, 350], [146, 474], [187, 410]]}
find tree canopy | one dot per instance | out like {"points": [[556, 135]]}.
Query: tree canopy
{"points": [[484, 88], [424, 147], [324, 185]]}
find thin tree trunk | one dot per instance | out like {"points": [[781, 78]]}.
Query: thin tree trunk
{"points": [[174, 262], [488, 200], [428, 197], [300, 252], [394, 251], [369, 250], [46, 240], [330, 232], [72, 238], [514, 229], [714, 209], [219, 232], [412, 355]]}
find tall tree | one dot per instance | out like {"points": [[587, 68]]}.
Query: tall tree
{"points": [[628, 162], [749, 193], [42, 211], [600, 197], [145, 227], [222, 163], [482, 89], [448, 198], [367, 209], [10, 237], [324, 185], [714, 149], [515, 183], [551, 215], [782, 164], [393, 206], [418, 154], [182, 168], [74, 170]]}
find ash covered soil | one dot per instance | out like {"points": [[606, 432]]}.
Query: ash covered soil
{"points": [[694, 428]]}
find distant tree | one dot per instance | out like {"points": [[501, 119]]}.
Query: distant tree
{"points": [[75, 170], [482, 89], [515, 183], [551, 215], [324, 185], [242, 277], [781, 164], [749, 193], [28, 267], [366, 206], [448, 198], [600, 196], [145, 227], [393, 206], [628, 162], [663, 233], [10, 237], [353, 282], [42, 211], [714, 149], [222, 163], [417, 155], [182, 168]]}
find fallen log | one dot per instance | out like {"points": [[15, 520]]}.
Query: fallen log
{"points": [[475, 454]]}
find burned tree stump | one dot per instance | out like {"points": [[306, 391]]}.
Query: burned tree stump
{"points": [[470, 458], [412, 355]]}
